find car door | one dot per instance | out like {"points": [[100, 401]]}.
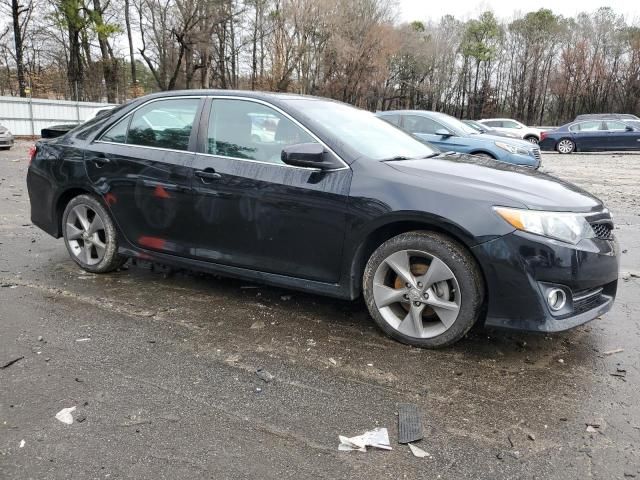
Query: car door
{"points": [[425, 128], [255, 212], [141, 167], [619, 137], [589, 135]]}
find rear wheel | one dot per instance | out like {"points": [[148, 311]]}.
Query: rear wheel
{"points": [[90, 235], [566, 146], [483, 155], [423, 289], [531, 139]]}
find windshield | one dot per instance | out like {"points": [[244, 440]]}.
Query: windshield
{"points": [[459, 128], [475, 125], [362, 131], [634, 123]]}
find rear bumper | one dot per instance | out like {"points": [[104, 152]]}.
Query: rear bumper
{"points": [[547, 145], [520, 268]]}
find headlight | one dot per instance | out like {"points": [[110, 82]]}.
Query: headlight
{"points": [[568, 227], [512, 148]]}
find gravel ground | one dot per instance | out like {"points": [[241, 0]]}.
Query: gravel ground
{"points": [[161, 370]]}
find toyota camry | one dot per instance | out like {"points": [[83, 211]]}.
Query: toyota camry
{"points": [[327, 199]]}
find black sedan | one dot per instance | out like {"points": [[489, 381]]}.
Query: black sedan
{"points": [[593, 135], [312, 194]]}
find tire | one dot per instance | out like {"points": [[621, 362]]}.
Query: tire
{"points": [[566, 146], [532, 139], [428, 326], [90, 235]]}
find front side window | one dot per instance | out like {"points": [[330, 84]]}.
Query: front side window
{"points": [[392, 119], [252, 131], [418, 124], [615, 125], [164, 124], [493, 123]]}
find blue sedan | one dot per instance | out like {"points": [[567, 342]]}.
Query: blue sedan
{"points": [[450, 134], [593, 135]]}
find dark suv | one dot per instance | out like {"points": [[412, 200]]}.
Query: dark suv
{"points": [[312, 194]]}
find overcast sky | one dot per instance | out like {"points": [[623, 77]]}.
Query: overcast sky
{"points": [[464, 9]]}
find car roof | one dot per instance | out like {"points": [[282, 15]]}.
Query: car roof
{"points": [[234, 93]]}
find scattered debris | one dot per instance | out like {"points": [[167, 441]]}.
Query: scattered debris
{"points": [[560, 360], [591, 429], [311, 342], [409, 423], [257, 325], [82, 339], [258, 389], [500, 455], [81, 418], [531, 437], [65, 416], [11, 362], [134, 420], [611, 352], [22, 442], [418, 452], [264, 375], [285, 298], [40, 338], [377, 438], [332, 361]]}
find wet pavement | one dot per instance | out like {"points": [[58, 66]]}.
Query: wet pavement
{"points": [[161, 367]]}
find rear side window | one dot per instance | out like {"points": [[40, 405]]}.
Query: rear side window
{"points": [[509, 124], [586, 126], [250, 130], [117, 133], [163, 124], [493, 123], [418, 124]]}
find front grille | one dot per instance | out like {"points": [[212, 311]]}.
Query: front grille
{"points": [[586, 300], [603, 231], [536, 152]]}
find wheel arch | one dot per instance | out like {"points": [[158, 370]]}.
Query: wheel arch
{"points": [[383, 231], [63, 200], [484, 152], [566, 137]]}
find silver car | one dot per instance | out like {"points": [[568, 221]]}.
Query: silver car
{"points": [[6, 138]]}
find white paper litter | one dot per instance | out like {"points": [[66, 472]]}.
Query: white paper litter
{"points": [[22, 442], [65, 416], [377, 438], [417, 451]]}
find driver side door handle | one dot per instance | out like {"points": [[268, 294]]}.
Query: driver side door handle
{"points": [[207, 175]]}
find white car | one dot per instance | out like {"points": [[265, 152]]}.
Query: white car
{"points": [[6, 138], [508, 125]]}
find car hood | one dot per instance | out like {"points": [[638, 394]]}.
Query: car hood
{"points": [[516, 142], [502, 183]]}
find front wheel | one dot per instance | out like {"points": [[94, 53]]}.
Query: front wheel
{"points": [[531, 139], [423, 289], [90, 235], [566, 146]]}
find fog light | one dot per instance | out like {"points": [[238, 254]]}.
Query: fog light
{"points": [[556, 299]]}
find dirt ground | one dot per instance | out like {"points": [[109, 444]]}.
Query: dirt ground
{"points": [[161, 370]]}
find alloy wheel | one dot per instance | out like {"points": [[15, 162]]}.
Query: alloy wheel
{"points": [[565, 146], [416, 293], [532, 140], [86, 235]]}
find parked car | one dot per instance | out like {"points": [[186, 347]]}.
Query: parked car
{"points": [[593, 135], [6, 138], [529, 134], [339, 203], [480, 128], [58, 130], [450, 134], [606, 116]]}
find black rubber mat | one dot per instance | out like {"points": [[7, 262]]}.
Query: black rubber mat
{"points": [[409, 423]]}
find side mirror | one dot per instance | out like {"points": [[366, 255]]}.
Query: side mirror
{"points": [[629, 129], [443, 133], [310, 155]]}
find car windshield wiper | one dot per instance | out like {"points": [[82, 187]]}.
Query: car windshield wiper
{"points": [[397, 158]]}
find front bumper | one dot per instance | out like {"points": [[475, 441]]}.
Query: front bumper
{"points": [[520, 267], [6, 140]]}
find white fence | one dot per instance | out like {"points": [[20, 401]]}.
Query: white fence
{"points": [[27, 116]]}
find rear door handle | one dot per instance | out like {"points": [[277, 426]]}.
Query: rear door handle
{"points": [[207, 174], [100, 159]]}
